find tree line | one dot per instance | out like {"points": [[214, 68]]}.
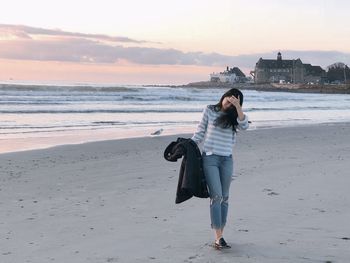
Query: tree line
{"points": [[338, 73]]}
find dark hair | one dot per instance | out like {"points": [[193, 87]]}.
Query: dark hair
{"points": [[229, 118]]}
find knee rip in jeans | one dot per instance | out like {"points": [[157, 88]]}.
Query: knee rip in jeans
{"points": [[216, 199], [225, 199]]}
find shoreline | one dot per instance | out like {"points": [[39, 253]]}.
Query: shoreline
{"points": [[87, 203], [20, 145]]}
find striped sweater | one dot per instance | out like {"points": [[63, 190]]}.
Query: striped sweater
{"points": [[217, 140]]}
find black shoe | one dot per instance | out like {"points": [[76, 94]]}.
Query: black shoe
{"points": [[223, 243]]}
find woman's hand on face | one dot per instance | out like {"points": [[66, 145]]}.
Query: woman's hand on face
{"points": [[234, 101]]}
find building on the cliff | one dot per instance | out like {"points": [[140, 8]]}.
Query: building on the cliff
{"points": [[287, 71], [230, 75]]}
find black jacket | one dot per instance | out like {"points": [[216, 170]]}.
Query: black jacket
{"points": [[191, 178]]}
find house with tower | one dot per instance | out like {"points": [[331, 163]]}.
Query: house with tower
{"points": [[287, 71]]}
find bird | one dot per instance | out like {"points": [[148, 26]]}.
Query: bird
{"points": [[157, 132]]}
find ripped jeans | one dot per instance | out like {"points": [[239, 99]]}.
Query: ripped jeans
{"points": [[218, 172]]}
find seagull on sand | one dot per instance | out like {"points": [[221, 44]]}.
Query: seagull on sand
{"points": [[157, 132]]}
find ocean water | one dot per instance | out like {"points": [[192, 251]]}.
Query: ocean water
{"points": [[109, 112]]}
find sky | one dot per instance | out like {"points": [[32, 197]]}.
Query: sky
{"points": [[161, 41]]}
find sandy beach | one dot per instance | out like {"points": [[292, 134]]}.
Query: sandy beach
{"points": [[114, 201]]}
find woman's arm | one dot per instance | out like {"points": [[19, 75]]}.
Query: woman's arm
{"points": [[198, 136], [236, 103], [242, 119]]}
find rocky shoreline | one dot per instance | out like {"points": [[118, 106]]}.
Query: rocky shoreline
{"points": [[300, 88]]}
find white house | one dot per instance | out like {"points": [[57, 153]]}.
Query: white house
{"points": [[230, 75], [221, 77]]}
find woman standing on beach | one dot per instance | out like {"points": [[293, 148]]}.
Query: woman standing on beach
{"points": [[218, 130]]}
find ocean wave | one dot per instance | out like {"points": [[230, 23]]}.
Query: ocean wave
{"points": [[163, 97], [100, 98], [60, 88], [295, 108], [60, 111], [31, 103], [156, 109]]}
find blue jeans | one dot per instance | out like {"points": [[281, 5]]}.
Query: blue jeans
{"points": [[218, 174]]}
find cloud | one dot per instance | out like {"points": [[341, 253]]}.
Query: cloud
{"points": [[86, 50], [26, 32], [77, 47], [316, 57]]}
